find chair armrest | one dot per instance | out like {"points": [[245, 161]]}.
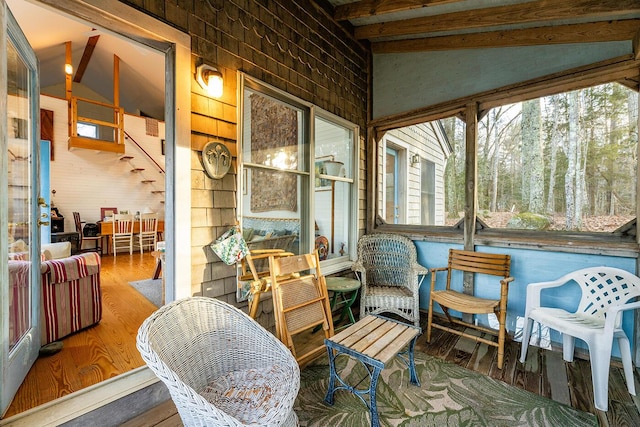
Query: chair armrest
{"points": [[357, 266], [435, 270], [534, 290], [612, 313], [506, 280]]}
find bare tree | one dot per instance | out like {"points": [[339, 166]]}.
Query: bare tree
{"points": [[532, 152], [572, 219]]}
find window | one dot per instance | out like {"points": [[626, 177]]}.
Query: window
{"points": [[428, 193], [298, 176], [87, 130], [334, 147]]}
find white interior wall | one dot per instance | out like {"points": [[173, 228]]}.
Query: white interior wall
{"points": [[86, 180]]}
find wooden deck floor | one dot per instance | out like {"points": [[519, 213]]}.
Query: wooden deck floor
{"points": [[544, 373]]}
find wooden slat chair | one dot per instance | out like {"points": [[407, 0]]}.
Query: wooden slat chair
{"points": [[300, 301], [448, 299]]}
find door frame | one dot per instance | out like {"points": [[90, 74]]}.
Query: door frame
{"points": [[176, 46]]}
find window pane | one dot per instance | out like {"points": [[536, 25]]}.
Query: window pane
{"points": [[273, 193], [334, 147], [20, 166], [421, 178], [273, 131], [562, 162], [428, 193]]}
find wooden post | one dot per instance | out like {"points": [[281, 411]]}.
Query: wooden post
{"points": [[68, 86], [471, 191]]}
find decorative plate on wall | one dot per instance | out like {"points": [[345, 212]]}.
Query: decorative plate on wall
{"points": [[216, 159]]}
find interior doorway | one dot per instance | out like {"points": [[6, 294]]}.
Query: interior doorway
{"points": [[175, 49]]}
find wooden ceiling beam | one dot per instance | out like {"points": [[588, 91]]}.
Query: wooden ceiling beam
{"points": [[366, 8], [636, 45], [516, 14], [86, 56], [604, 31]]}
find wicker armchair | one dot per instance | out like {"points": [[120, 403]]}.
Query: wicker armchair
{"points": [[390, 275], [220, 366]]}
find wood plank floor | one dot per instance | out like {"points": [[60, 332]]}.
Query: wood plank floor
{"points": [[102, 351], [544, 373]]}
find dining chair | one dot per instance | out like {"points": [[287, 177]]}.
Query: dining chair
{"points": [[122, 236], [148, 235], [97, 240]]}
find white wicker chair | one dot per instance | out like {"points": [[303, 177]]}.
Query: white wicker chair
{"points": [[390, 275], [221, 367]]}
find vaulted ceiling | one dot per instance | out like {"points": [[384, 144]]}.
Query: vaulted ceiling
{"points": [[141, 68]]}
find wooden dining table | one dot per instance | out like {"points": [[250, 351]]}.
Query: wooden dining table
{"points": [[106, 230]]}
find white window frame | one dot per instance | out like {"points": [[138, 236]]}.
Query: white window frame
{"points": [[330, 265]]}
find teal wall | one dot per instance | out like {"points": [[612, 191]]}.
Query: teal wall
{"points": [[407, 81], [527, 266]]}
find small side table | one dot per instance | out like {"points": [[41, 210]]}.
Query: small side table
{"points": [[374, 341], [345, 292]]}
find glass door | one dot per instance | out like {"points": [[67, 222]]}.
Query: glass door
{"points": [[19, 208]]}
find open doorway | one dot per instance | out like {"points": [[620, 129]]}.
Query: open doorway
{"points": [[171, 131]]}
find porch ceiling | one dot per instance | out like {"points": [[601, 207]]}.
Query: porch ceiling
{"points": [[398, 26]]}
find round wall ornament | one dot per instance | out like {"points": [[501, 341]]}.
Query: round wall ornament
{"points": [[216, 159]]}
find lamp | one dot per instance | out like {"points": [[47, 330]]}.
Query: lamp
{"points": [[68, 69], [210, 79], [415, 159]]}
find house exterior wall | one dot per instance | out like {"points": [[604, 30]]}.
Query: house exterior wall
{"points": [[292, 45], [422, 140]]}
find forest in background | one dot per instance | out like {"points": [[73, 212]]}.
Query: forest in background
{"points": [[570, 158]]}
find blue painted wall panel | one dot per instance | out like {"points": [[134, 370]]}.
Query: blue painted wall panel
{"points": [[527, 266]]}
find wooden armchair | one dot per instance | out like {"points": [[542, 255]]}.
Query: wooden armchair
{"points": [[449, 299]]}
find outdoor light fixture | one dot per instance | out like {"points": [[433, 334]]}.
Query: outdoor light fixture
{"points": [[68, 69], [210, 79], [415, 159]]}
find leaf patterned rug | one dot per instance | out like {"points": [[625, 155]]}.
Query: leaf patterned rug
{"points": [[449, 395]]}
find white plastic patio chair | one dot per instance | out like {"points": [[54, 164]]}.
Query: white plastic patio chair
{"points": [[221, 367], [606, 293]]}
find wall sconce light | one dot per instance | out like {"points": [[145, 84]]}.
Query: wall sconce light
{"points": [[68, 69], [415, 159], [210, 79]]}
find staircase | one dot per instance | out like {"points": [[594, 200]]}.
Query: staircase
{"points": [[135, 169]]}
